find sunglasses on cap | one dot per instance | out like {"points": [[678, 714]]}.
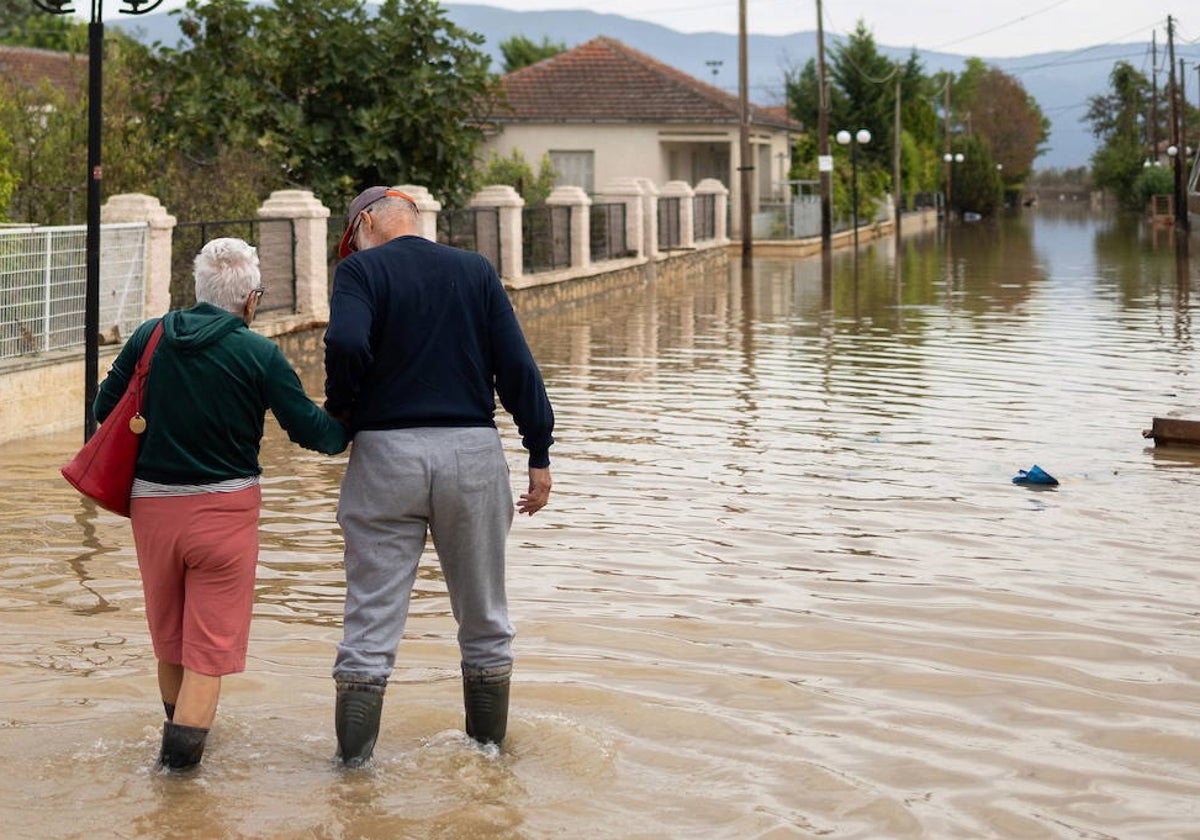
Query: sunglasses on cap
{"points": [[348, 245]]}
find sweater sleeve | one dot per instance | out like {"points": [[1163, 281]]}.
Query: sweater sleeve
{"points": [[305, 422], [518, 380], [347, 341]]}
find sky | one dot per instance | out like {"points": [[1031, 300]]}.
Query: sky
{"points": [[978, 27], [984, 28]]}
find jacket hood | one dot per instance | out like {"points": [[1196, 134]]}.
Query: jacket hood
{"points": [[191, 330]]}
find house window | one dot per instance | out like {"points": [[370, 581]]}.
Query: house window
{"points": [[574, 169]]}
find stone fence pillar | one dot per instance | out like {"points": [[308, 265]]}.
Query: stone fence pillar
{"points": [[135, 207], [506, 200], [627, 191], [429, 207], [275, 252], [649, 217], [581, 229], [720, 193], [687, 210]]}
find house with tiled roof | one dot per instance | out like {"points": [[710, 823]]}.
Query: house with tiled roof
{"points": [[29, 67], [604, 111]]}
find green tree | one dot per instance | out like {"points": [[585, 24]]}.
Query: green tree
{"points": [[336, 98], [519, 51], [23, 24], [48, 153], [1151, 181], [996, 107], [8, 178], [976, 183], [866, 80], [801, 89], [862, 93], [1117, 122], [516, 172], [48, 130]]}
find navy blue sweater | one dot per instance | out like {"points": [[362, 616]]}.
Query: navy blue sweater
{"points": [[422, 334]]}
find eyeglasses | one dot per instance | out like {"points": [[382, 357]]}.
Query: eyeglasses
{"points": [[258, 293]]}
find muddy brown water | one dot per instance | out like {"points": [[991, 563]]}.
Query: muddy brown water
{"points": [[785, 588]]}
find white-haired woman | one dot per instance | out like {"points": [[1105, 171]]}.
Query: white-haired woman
{"points": [[196, 498]]}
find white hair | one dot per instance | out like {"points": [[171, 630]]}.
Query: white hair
{"points": [[226, 272]]}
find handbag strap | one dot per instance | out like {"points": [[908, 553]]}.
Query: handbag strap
{"points": [[151, 343], [143, 365]]}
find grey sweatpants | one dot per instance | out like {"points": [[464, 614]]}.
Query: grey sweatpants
{"points": [[399, 484]]}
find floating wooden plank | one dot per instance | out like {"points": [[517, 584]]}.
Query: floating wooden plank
{"points": [[1167, 431]]}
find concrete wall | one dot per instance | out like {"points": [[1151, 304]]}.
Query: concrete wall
{"points": [[44, 394]]}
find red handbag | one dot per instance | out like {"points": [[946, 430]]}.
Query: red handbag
{"points": [[103, 469]]}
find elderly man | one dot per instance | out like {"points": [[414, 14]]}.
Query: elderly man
{"points": [[421, 338]]}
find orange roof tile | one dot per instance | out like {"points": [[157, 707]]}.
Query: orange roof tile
{"points": [[603, 80], [29, 66]]}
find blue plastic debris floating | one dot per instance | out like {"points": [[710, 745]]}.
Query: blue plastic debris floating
{"points": [[1034, 475]]}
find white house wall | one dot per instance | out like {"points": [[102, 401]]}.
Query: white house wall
{"points": [[621, 151], [630, 150]]}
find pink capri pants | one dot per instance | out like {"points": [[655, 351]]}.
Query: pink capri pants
{"points": [[198, 556]]}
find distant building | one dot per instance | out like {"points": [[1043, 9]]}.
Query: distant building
{"points": [[29, 67], [603, 111]]}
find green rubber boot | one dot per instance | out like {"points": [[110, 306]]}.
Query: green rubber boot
{"points": [[356, 720], [182, 746], [485, 697]]}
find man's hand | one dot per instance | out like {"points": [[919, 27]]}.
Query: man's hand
{"points": [[539, 491]]}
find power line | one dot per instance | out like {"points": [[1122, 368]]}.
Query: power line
{"points": [[998, 27]]}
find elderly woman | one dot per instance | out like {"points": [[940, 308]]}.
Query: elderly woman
{"points": [[195, 500]]}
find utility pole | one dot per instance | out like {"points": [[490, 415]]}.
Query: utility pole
{"points": [[1154, 97], [824, 159], [946, 154], [746, 167], [1181, 210], [898, 199]]}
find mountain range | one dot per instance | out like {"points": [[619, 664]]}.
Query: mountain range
{"points": [[1060, 82]]}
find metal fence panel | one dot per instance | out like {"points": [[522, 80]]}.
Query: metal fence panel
{"points": [[669, 234], [43, 283], [704, 217], [472, 229], [607, 230], [545, 238], [278, 275]]}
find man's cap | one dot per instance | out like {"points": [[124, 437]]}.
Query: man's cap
{"points": [[360, 203]]}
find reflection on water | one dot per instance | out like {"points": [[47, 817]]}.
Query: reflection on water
{"points": [[786, 586]]}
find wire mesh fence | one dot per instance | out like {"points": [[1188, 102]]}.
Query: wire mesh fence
{"points": [[43, 286]]}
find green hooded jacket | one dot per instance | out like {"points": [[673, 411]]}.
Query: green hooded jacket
{"points": [[211, 382]]}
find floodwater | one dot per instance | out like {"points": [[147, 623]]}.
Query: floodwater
{"points": [[786, 586]]}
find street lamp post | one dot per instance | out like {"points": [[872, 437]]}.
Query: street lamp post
{"points": [[950, 159], [861, 138], [91, 301]]}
